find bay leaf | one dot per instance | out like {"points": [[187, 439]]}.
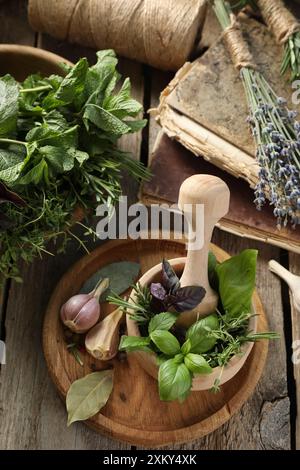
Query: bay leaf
{"points": [[121, 276], [88, 395]]}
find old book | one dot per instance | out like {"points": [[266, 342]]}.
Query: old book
{"points": [[171, 164], [204, 107]]}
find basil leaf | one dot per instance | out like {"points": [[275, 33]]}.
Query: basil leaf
{"points": [[186, 347], [174, 380], [121, 276], [165, 342], [197, 364], [198, 334], [237, 282], [134, 343], [170, 279], [162, 321], [186, 298], [9, 94], [88, 395]]}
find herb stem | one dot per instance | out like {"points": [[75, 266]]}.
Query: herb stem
{"points": [[38, 88], [13, 141]]}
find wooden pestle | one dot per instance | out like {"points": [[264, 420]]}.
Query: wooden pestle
{"points": [[213, 193]]}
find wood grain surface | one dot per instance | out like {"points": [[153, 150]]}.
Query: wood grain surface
{"points": [[32, 415]]}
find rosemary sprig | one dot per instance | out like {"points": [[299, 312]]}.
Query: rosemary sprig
{"points": [[140, 310]]}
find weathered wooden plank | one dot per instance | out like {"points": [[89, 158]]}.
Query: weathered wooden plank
{"points": [[294, 262], [14, 26]]}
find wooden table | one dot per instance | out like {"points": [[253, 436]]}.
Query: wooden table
{"points": [[32, 415]]}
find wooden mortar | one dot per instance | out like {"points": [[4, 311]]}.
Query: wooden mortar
{"points": [[214, 194]]}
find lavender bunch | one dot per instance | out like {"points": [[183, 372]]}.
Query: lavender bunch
{"points": [[277, 136]]}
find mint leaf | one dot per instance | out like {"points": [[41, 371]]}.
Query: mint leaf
{"points": [[197, 364], [122, 105], [9, 94], [104, 120], [59, 159], [36, 174], [174, 380], [165, 342], [162, 321], [10, 165], [134, 343], [71, 88], [198, 334]]}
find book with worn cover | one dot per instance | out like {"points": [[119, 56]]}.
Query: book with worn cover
{"points": [[171, 164], [204, 107]]}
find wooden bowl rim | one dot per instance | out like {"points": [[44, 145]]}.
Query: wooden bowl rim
{"points": [[33, 51]]}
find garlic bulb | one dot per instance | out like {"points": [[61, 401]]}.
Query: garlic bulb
{"points": [[102, 341], [81, 312]]}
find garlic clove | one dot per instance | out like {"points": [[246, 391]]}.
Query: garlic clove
{"points": [[102, 341], [81, 312]]}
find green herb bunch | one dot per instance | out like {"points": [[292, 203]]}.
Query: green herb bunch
{"points": [[210, 342], [58, 151]]}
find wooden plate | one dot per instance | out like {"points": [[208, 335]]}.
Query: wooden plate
{"points": [[134, 413]]}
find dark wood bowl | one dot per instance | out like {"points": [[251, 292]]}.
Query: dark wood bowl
{"points": [[21, 61]]}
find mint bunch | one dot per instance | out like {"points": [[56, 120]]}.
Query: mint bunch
{"points": [[58, 149]]}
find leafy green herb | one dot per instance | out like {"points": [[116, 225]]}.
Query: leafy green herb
{"points": [[121, 276], [199, 334], [162, 321], [210, 342], [134, 343], [197, 364], [88, 395], [165, 342], [237, 282], [58, 151], [174, 380]]}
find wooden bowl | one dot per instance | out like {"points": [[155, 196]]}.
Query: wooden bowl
{"points": [[134, 412], [148, 361], [21, 61]]}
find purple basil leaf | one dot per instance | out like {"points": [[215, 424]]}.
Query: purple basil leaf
{"points": [[186, 298], [170, 279], [158, 290]]}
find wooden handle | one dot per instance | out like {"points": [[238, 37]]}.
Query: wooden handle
{"points": [[291, 279], [214, 195]]}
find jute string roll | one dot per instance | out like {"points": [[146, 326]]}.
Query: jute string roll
{"points": [[161, 33], [279, 19], [237, 46]]}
